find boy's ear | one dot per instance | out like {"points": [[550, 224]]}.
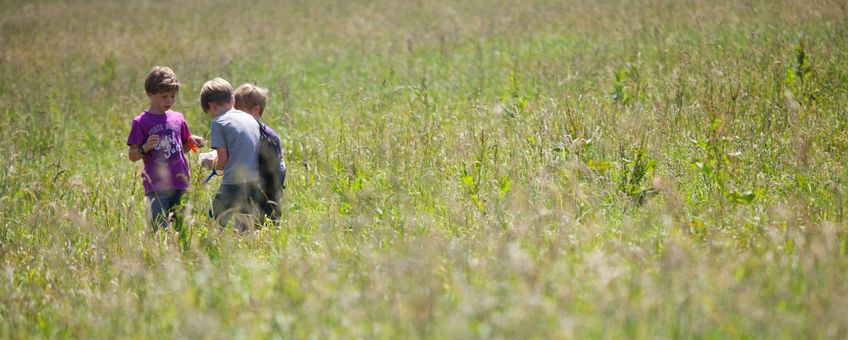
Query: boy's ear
{"points": [[256, 110]]}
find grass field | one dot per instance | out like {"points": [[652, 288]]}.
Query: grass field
{"points": [[473, 169]]}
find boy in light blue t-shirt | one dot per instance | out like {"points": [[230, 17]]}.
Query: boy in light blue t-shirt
{"points": [[235, 137]]}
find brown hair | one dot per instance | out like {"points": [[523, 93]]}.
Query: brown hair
{"points": [[248, 96], [216, 90], [161, 79]]}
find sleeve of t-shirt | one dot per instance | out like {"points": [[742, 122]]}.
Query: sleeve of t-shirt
{"points": [[184, 132], [216, 131], [136, 136]]}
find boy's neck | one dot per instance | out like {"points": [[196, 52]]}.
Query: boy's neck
{"points": [[223, 109], [155, 111]]}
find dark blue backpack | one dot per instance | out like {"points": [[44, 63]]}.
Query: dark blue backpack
{"points": [[271, 171]]}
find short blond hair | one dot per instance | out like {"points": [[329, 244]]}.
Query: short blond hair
{"points": [[216, 90], [161, 79], [248, 96]]}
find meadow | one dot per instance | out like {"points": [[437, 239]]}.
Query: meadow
{"points": [[457, 169]]}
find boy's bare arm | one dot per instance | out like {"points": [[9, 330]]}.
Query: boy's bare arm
{"points": [[223, 157], [193, 143], [137, 152], [134, 154]]}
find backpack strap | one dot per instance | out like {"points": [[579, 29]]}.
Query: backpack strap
{"points": [[261, 126]]}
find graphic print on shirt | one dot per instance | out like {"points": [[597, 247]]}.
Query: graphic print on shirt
{"points": [[169, 143]]}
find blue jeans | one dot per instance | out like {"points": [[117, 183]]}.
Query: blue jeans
{"points": [[162, 204]]}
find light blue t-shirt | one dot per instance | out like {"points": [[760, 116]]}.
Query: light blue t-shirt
{"points": [[238, 132]]}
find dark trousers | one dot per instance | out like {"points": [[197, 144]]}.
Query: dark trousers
{"points": [[270, 206], [162, 204], [240, 201]]}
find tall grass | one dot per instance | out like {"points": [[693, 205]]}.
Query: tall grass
{"points": [[477, 169]]}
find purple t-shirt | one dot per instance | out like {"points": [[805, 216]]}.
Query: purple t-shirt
{"points": [[165, 166], [274, 134]]}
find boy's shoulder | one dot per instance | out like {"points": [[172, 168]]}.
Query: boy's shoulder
{"points": [[141, 115], [236, 114], [170, 113], [234, 117], [175, 115], [271, 131], [145, 118]]}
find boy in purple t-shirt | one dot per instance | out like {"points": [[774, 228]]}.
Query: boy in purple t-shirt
{"points": [[160, 137]]}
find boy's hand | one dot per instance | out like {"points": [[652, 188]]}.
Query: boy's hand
{"points": [[207, 159], [197, 141], [208, 163], [151, 143]]}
